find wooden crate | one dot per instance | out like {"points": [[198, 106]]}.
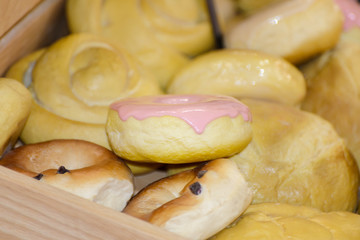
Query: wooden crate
{"points": [[34, 210]]}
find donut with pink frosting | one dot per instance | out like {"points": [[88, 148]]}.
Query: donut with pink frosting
{"points": [[178, 128], [351, 12]]}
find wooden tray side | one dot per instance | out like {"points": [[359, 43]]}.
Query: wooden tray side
{"points": [[45, 23], [31, 209]]}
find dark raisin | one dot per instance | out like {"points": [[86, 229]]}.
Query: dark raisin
{"points": [[62, 170], [195, 188], [201, 173], [39, 176]]}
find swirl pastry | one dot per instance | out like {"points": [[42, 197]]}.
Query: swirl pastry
{"points": [[241, 74], [162, 34], [273, 221], [15, 105], [296, 29], [298, 158], [73, 82]]}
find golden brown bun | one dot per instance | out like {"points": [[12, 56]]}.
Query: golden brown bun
{"points": [[15, 105], [80, 167], [295, 29], [333, 89], [196, 203], [241, 74], [161, 34], [169, 139], [297, 157], [73, 83], [273, 221]]}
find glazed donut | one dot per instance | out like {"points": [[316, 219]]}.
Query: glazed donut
{"points": [[178, 128], [241, 74], [73, 105], [351, 12], [196, 203], [15, 105], [162, 34], [296, 30], [273, 221], [297, 157], [79, 167]]}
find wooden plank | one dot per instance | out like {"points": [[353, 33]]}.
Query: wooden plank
{"points": [[37, 29], [11, 11], [31, 209]]}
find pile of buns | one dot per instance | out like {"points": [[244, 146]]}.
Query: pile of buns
{"points": [[257, 140]]}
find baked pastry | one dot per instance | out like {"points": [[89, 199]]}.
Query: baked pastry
{"points": [[298, 158], [241, 74], [162, 34], [87, 74], [333, 86], [274, 221], [296, 30], [195, 204], [15, 105], [79, 167], [251, 6], [178, 128]]}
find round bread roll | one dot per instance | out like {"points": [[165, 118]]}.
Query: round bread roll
{"points": [[178, 128], [295, 29], [80, 167], [272, 221], [162, 34], [15, 105], [87, 73], [298, 158], [333, 87], [195, 204], [241, 74]]}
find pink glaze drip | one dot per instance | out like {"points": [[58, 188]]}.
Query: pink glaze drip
{"points": [[196, 110], [351, 12]]}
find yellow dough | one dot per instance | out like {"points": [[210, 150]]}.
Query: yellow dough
{"points": [[297, 157], [251, 6], [15, 105], [273, 221], [295, 29], [73, 81], [333, 89], [161, 34], [241, 74]]}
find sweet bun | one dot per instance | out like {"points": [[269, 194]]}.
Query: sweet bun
{"points": [[178, 128], [15, 105], [74, 104], [195, 204], [295, 30], [274, 221], [80, 167], [162, 34], [333, 86], [298, 158], [241, 74]]}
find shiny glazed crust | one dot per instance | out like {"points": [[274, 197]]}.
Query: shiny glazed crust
{"points": [[80, 167], [296, 30], [196, 203]]}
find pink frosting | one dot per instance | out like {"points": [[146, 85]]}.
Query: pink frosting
{"points": [[196, 110], [351, 11]]}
